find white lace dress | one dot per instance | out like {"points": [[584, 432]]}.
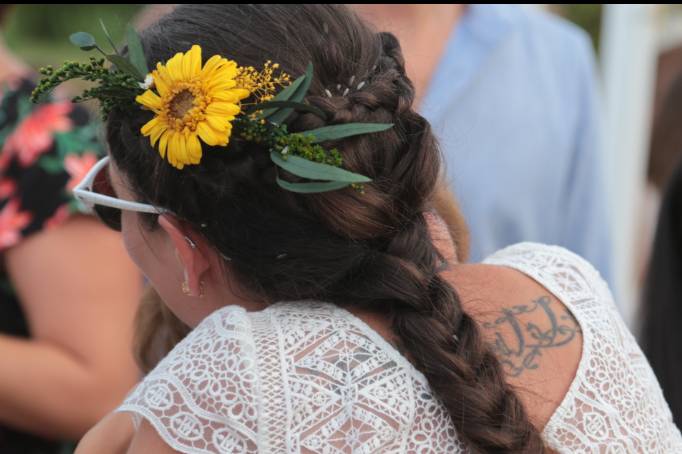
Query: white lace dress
{"points": [[312, 378]]}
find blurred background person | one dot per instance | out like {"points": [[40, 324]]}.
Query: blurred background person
{"points": [[662, 299], [511, 94], [68, 291]]}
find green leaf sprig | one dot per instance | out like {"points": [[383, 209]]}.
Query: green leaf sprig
{"points": [[116, 84], [300, 153]]}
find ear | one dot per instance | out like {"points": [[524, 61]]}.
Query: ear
{"points": [[190, 249]]}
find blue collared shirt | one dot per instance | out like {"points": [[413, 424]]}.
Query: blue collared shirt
{"points": [[513, 102]]}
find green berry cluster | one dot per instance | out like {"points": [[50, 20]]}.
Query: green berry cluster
{"points": [[114, 88], [278, 139]]}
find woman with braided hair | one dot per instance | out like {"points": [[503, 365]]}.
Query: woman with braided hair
{"points": [[331, 317]]}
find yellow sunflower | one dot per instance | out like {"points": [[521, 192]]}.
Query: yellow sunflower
{"points": [[191, 103]]}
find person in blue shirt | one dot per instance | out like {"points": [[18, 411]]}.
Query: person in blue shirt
{"points": [[512, 95]]}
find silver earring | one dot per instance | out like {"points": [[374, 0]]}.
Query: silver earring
{"points": [[191, 243]]}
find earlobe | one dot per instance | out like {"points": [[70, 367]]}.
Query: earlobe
{"points": [[192, 256]]}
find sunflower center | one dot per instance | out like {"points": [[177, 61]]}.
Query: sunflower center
{"points": [[181, 104]]}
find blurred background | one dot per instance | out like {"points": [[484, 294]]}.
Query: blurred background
{"points": [[639, 51], [40, 33]]}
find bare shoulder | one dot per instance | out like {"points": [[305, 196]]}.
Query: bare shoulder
{"points": [[147, 439], [535, 336]]}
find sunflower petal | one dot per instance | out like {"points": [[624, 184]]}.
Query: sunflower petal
{"points": [[207, 134], [174, 67], [226, 72], [183, 158], [163, 143], [211, 65], [157, 132], [226, 109], [146, 130], [150, 100], [218, 123], [173, 149], [223, 77], [224, 96], [241, 93], [217, 87], [160, 82], [193, 59], [194, 148], [163, 73]]}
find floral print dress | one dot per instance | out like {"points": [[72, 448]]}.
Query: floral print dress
{"points": [[45, 150]]}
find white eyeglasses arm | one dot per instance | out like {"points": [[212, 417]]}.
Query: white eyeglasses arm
{"points": [[84, 193], [92, 198]]}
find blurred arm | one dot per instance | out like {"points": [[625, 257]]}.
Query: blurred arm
{"points": [[146, 440], [79, 291], [112, 435]]}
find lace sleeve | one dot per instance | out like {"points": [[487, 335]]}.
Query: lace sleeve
{"points": [[614, 403], [202, 396]]}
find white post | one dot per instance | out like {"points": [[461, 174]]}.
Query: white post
{"points": [[629, 46]]}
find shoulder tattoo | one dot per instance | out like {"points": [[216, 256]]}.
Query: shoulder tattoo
{"points": [[524, 342]]}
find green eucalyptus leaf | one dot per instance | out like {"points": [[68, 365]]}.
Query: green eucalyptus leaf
{"points": [[304, 168], [302, 90], [284, 95], [336, 132], [108, 36], [280, 116], [299, 106], [83, 40], [136, 52], [124, 65], [311, 188]]}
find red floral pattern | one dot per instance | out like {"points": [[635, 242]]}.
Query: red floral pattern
{"points": [[12, 222], [7, 188], [35, 134]]}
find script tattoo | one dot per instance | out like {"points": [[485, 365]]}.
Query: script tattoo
{"points": [[521, 345]]}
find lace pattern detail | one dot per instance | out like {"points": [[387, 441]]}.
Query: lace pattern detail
{"points": [[311, 378], [202, 398]]}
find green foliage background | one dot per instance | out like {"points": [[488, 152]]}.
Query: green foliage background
{"points": [[39, 34]]}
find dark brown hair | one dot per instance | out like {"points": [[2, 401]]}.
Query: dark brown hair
{"points": [[366, 249]]}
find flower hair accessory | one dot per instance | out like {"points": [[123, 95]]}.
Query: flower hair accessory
{"points": [[196, 102]]}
